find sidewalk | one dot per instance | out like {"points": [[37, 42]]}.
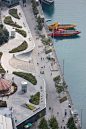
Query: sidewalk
{"points": [[53, 97]]}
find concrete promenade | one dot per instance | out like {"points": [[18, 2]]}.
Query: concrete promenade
{"points": [[11, 64], [53, 97]]}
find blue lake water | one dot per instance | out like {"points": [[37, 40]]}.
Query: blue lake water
{"points": [[72, 50]]}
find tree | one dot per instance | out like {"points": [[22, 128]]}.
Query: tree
{"points": [[43, 124], [57, 79], [39, 20], [4, 34], [40, 26], [1, 26], [53, 123], [59, 90], [71, 124]]}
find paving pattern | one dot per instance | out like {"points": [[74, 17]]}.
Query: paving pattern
{"points": [[24, 65]]}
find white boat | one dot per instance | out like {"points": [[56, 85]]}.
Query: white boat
{"points": [[48, 2]]}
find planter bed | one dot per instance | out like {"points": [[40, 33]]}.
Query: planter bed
{"points": [[63, 99], [13, 12], [22, 47], [22, 32], [48, 51], [8, 20], [52, 59], [28, 76], [35, 99]]}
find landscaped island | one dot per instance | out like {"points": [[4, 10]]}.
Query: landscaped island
{"points": [[21, 47], [28, 76]]}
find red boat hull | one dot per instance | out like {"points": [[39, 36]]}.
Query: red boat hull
{"points": [[64, 33]]}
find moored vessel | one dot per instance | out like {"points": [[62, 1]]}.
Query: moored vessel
{"points": [[61, 26], [48, 2], [62, 32]]}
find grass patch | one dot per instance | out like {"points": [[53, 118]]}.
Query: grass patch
{"points": [[52, 59], [30, 107], [48, 51], [8, 20], [21, 47], [13, 12], [63, 99], [28, 76], [35, 99], [22, 32]]}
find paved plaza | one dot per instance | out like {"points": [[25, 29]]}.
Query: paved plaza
{"points": [[39, 62]]}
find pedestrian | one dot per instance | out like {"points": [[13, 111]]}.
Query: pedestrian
{"points": [[44, 66], [52, 109], [64, 127], [61, 127], [41, 58], [51, 73], [38, 54], [57, 112]]}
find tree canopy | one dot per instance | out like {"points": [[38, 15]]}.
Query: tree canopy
{"points": [[53, 123], [43, 124], [71, 124], [4, 34]]}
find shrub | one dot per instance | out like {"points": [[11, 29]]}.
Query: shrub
{"points": [[57, 78], [35, 99], [28, 76], [22, 32], [52, 59], [21, 47], [63, 99], [8, 20], [1, 69], [48, 51], [13, 12]]}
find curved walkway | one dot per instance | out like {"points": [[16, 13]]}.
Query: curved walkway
{"points": [[52, 97]]}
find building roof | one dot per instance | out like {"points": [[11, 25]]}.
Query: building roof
{"points": [[5, 122], [4, 84]]}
